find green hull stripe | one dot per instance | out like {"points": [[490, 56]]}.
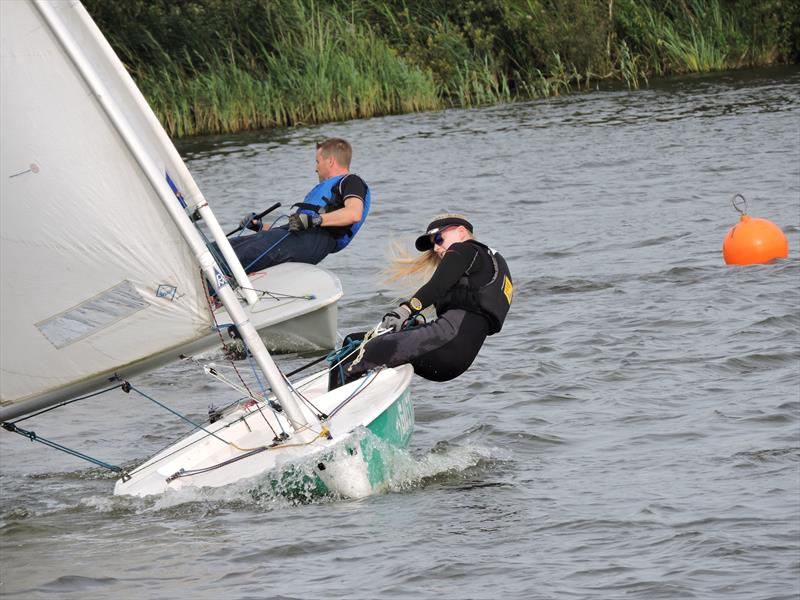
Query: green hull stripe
{"points": [[394, 426]]}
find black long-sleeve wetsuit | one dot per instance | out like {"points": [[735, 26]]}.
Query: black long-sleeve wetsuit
{"points": [[444, 348]]}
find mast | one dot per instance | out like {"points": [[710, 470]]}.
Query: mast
{"points": [[204, 258]]}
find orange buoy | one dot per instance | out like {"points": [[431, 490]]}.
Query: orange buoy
{"points": [[753, 241]]}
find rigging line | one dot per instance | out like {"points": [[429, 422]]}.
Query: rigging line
{"points": [[263, 416], [280, 295], [262, 399], [330, 356], [252, 364], [263, 388], [41, 412], [260, 256], [311, 364], [279, 444], [206, 431], [177, 414], [184, 473], [222, 379], [182, 448], [367, 381], [213, 372], [32, 436], [259, 401], [302, 396], [250, 452], [222, 339]]}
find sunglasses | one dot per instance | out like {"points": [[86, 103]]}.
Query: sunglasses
{"points": [[437, 238]]}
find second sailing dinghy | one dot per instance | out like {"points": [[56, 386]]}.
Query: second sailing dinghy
{"points": [[104, 273]]}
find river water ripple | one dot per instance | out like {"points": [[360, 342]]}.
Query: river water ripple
{"points": [[634, 430]]}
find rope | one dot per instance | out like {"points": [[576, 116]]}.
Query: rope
{"points": [[371, 334], [341, 354], [249, 452], [177, 414], [311, 364], [32, 436], [219, 377], [254, 368], [263, 387], [281, 295], [320, 415], [222, 339], [177, 450], [260, 256], [215, 436], [367, 380], [338, 357]]}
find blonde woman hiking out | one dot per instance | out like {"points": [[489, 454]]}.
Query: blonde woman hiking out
{"points": [[470, 286]]}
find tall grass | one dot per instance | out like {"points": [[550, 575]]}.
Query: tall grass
{"points": [[214, 66], [695, 36], [318, 75], [696, 42]]}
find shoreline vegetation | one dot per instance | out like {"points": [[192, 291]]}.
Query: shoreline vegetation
{"points": [[228, 66]]}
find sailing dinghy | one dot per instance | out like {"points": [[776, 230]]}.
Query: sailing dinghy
{"points": [[104, 273]]}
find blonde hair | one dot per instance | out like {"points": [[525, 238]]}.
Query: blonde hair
{"points": [[417, 269], [402, 265]]}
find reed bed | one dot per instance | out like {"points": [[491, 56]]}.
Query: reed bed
{"points": [[220, 66]]}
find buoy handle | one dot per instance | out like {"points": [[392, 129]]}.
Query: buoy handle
{"points": [[738, 201]]}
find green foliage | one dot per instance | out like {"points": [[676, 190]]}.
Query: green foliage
{"points": [[210, 66], [677, 36]]}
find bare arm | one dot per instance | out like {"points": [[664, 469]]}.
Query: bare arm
{"points": [[349, 214]]}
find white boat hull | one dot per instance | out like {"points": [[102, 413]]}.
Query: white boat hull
{"points": [[241, 444], [297, 310]]}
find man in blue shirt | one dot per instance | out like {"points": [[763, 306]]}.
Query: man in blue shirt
{"points": [[325, 222]]}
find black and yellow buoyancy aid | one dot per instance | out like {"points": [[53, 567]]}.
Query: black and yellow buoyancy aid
{"points": [[490, 298]]}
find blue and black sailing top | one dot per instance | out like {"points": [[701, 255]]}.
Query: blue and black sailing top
{"points": [[329, 195]]}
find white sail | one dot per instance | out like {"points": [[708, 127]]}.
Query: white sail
{"points": [[95, 273]]}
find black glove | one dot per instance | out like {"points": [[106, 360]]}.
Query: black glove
{"points": [[394, 320], [302, 221], [251, 222]]}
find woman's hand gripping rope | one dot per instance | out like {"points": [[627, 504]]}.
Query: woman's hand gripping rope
{"points": [[403, 317]]}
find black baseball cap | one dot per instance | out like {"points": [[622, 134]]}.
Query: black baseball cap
{"points": [[424, 241]]}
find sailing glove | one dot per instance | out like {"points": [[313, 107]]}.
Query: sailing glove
{"points": [[302, 221], [394, 320], [251, 222]]}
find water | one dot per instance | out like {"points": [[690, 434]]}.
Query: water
{"points": [[634, 430]]}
